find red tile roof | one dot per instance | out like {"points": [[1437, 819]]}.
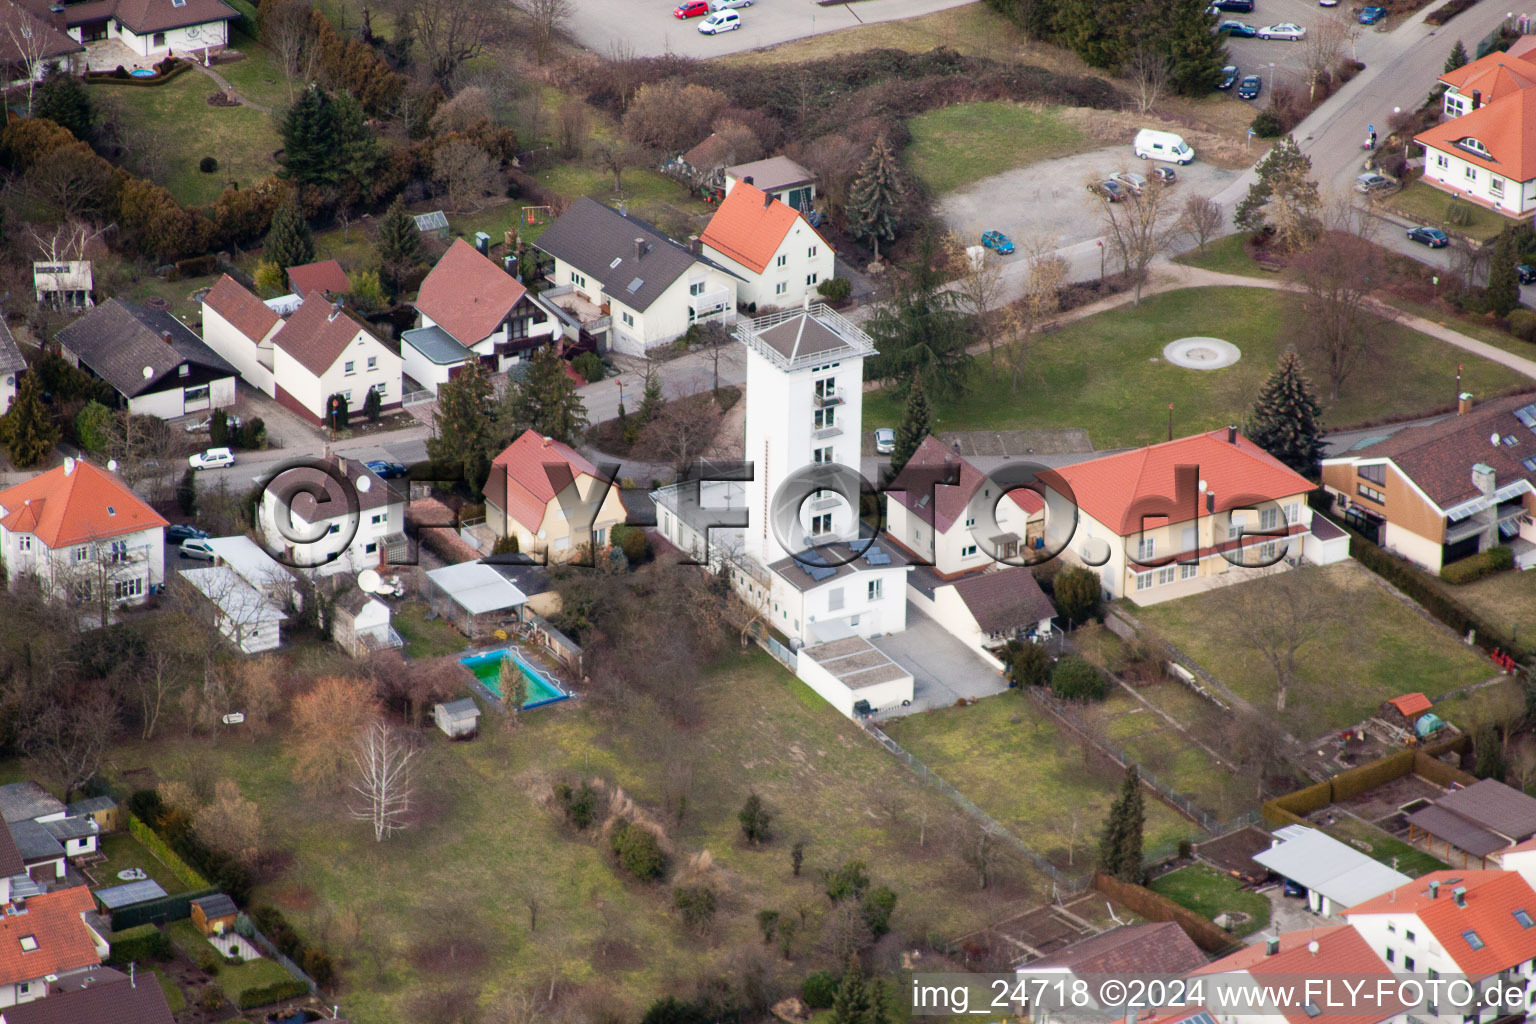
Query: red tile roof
{"points": [[243, 310], [910, 488], [317, 334], [1506, 128], [748, 230], [1522, 46], [519, 482], [1410, 704], [54, 920], [1336, 951], [1495, 75], [1491, 901], [467, 295], [1118, 490], [71, 505], [325, 276]]}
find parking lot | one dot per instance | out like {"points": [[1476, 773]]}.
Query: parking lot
{"points": [[1050, 199], [1254, 56]]}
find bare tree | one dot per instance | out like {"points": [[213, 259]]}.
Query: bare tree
{"points": [[835, 159], [1202, 219], [1252, 743], [625, 70], [67, 240], [741, 144], [1045, 273], [451, 32], [468, 173], [1147, 69], [572, 127], [1322, 48], [230, 824], [1277, 614], [979, 850], [288, 31], [550, 18], [30, 40], [979, 283], [683, 433], [614, 156], [384, 760], [716, 338], [69, 734], [1135, 228], [1337, 275]]}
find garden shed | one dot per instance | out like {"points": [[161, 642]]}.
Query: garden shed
{"points": [[214, 915], [458, 719]]}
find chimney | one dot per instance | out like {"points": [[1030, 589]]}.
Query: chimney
{"points": [[1231, 434], [1271, 946], [1459, 894], [748, 180], [548, 441], [1463, 403], [165, 336], [767, 200], [694, 245], [639, 248], [1477, 98], [69, 466], [1210, 502], [1482, 479], [1434, 890], [335, 311]]}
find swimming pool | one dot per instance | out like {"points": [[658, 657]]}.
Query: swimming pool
{"points": [[487, 669], [142, 73]]}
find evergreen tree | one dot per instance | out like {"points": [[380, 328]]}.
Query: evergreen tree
{"points": [[186, 492], [1195, 53], [29, 430], [650, 397], [756, 820], [289, 243], [400, 248], [1096, 31], [357, 148], [916, 425], [851, 1004], [373, 405], [62, 99], [1457, 59], [1284, 421], [309, 140], [920, 330], [1283, 198], [546, 400], [93, 426], [874, 198], [1120, 845], [1503, 280], [337, 412], [879, 1008], [463, 437]]}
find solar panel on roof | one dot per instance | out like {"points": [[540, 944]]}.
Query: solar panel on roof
{"points": [[876, 556], [634, 285], [819, 572]]}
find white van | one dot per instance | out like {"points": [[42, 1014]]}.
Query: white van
{"points": [[1155, 145], [720, 21]]}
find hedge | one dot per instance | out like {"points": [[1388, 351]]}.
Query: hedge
{"points": [[163, 852], [176, 907], [141, 942], [249, 20], [1478, 566], [111, 78]]}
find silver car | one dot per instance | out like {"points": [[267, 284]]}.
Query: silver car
{"points": [[885, 440], [723, 5], [1368, 183]]}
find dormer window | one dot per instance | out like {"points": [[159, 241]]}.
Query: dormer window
{"points": [[184, 370], [1475, 146], [29, 943]]}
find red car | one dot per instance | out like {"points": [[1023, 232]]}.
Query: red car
{"points": [[691, 9]]}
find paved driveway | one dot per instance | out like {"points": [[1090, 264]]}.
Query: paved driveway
{"points": [[649, 28], [1051, 199], [943, 668]]}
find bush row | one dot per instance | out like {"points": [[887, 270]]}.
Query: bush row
{"points": [[214, 867], [137, 944], [316, 962], [162, 851], [264, 994], [1445, 12], [1476, 567]]}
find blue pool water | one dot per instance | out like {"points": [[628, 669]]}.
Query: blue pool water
{"points": [[142, 73], [487, 668]]}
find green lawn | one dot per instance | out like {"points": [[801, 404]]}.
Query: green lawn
{"points": [[1374, 650], [1469, 325], [1020, 768], [1392, 852], [1211, 893], [1160, 749], [240, 138], [1506, 600], [1106, 373], [1226, 255], [123, 851], [486, 836], [259, 77], [955, 146], [651, 196], [424, 639], [173, 995], [252, 974], [1426, 204]]}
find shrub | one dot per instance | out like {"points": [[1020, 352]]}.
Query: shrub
{"points": [[93, 426], [632, 541], [197, 266], [1029, 664], [208, 959], [210, 999], [670, 1010], [275, 992], [818, 990], [506, 545], [1076, 592], [579, 804], [878, 907], [849, 881], [253, 434], [756, 820], [1475, 567], [1267, 124], [697, 905], [768, 923], [1075, 679], [218, 428], [207, 165], [638, 851], [1458, 213], [144, 942], [1522, 324], [317, 963], [590, 366], [835, 289]]}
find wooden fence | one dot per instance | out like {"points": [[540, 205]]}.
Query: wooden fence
{"points": [[1156, 907]]}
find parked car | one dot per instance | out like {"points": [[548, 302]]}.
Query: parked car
{"points": [[1229, 77], [213, 458], [1166, 175], [1371, 15], [1369, 182], [1432, 237], [725, 5], [386, 470], [1249, 90], [1240, 29], [1294, 890], [885, 440], [997, 242], [1526, 273], [197, 547], [192, 428], [1285, 30], [1132, 181], [1232, 6], [720, 21], [180, 532], [1109, 189], [1327, 3], [691, 9], [1151, 144]]}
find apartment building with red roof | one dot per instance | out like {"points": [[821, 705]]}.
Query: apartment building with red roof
{"points": [[1184, 516], [83, 533], [770, 245], [523, 492], [45, 938], [1485, 151], [1338, 955]]}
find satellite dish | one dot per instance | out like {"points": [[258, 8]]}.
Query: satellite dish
{"points": [[1493, 439], [364, 484], [369, 581], [1313, 947], [111, 465], [1202, 486], [149, 372]]}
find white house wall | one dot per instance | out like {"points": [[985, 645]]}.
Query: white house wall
{"points": [[836, 693], [239, 351], [191, 38], [1451, 170], [1416, 548], [799, 263], [7, 392], [171, 403], [422, 370], [312, 391]]}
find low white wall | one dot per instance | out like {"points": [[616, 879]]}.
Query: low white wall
{"points": [[835, 693]]}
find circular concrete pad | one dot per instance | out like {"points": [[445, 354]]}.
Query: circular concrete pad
{"points": [[1201, 353]]}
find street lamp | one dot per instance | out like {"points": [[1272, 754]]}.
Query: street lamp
{"points": [[1271, 78], [621, 392], [1101, 260]]}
